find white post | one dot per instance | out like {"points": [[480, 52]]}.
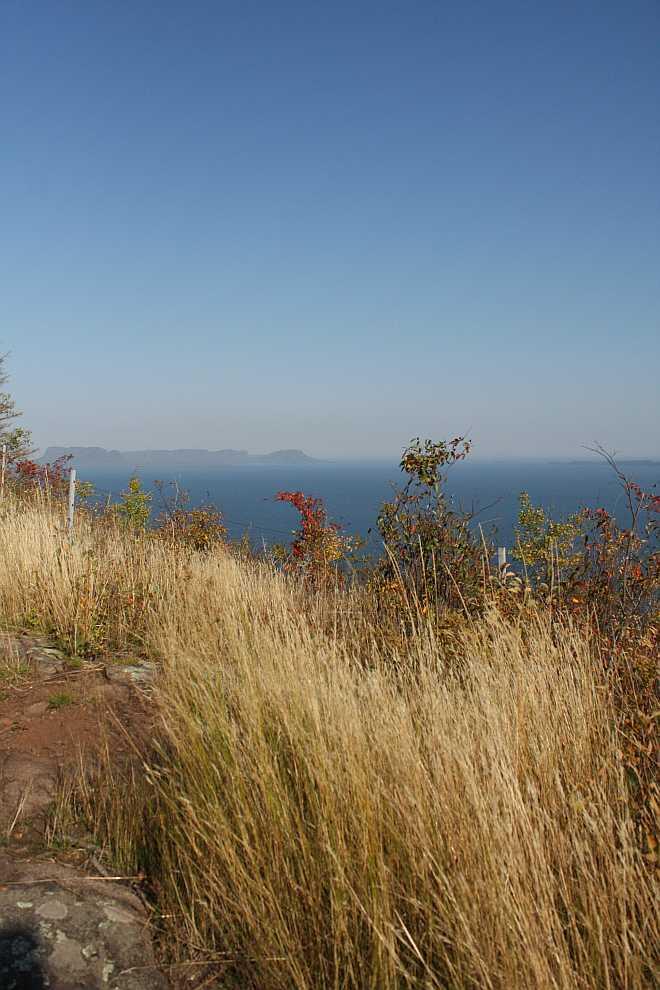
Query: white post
{"points": [[2, 473], [501, 558], [72, 500]]}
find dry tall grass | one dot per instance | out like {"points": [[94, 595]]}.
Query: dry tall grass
{"points": [[96, 592], [323, 814]]}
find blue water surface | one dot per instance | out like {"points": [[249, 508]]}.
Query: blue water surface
{"points": [[353, 492]]}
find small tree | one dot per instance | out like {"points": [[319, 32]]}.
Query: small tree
{"points": [[16, 438], [135, 505], [546, 547], [431, 551]]}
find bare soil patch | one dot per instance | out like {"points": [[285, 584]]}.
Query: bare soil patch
{"points": [[63, 923]]}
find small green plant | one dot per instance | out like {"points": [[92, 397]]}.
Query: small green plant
{"points": [[545, 547], [62, 699], [135, 506]]}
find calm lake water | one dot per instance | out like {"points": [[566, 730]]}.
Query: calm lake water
{"points": [[354, 491]]}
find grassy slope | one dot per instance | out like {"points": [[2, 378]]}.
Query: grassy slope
{"points": [[326, 809]]}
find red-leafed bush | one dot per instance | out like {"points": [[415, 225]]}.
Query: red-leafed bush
{"points": [[52, 478], [318, 545]]}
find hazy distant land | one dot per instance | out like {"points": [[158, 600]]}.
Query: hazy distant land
{"points": [[98, 457]]}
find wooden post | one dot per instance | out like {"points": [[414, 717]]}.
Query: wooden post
{"points": [[72, 500], [501, 558], [2, 472]]}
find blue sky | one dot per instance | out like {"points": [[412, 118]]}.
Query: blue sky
{"points": [[332, 225]]}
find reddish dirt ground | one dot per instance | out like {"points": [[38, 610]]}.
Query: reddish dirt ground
{"points": [[50, 712]]}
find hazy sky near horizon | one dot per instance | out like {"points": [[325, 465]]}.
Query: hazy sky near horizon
{"points": [[332, 225]]}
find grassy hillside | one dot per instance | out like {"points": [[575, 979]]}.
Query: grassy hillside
{"points": [[340, 797]]}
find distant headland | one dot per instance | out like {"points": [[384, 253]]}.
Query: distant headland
{"points": [[132, 459]]}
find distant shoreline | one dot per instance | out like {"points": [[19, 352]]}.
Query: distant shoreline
{"points": [[200, 458], [99, 457]]}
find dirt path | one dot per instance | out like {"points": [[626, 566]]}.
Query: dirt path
{"points": [[62, 924]]}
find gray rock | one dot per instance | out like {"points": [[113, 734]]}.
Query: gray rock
{"points": [[44, 664], [44, 659], [142, 673], [68, 934]]}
